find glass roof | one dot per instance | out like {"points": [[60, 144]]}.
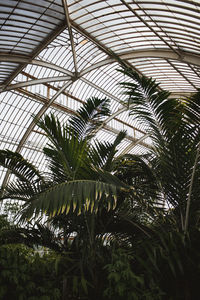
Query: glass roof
{"points": [[54, 54]]}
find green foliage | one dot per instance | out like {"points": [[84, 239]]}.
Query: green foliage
{"points": [[124, 283], [19, 166], [170, 260], [77, 196], [90, 117], [75, 282], [25, 275]]}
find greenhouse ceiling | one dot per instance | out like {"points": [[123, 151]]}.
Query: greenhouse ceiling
{"points": [[54, 54]]}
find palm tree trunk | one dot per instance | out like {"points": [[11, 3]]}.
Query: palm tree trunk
{"points": [[190, 189], [64, 289]]}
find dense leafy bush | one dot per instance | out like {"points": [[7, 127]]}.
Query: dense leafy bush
{"points": [[25, 275]]}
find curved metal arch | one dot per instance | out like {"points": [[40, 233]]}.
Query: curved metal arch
{"points": [[188, 58], [28, 60], [36, 81]]}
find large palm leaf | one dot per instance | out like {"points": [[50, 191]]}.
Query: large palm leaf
{"points": [[154, 108], [77, 196], [89, 117]]}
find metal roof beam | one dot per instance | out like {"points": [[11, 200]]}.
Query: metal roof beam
{"points": [[37, 81], [99, 89], [133, 144], [65, 6], [184, 57], [188, 58], [28, 60]]}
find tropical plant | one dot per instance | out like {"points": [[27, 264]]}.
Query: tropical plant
{"points": [[173, 126], [25, 274], [84, 176], [168, 257], [72, 177]]}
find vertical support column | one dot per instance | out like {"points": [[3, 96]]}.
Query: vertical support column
{"points": [[70, 35], [48, 92]]}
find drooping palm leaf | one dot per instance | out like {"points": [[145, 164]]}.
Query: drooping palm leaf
{"points": [[20, 190], [19, 166], [77, 196]]}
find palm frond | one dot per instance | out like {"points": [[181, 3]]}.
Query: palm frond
{"points": [[52, 127], [192, 108], [19, 166], [160, 114], [21, 190], [108, 164], [78, 196], [102, 153], [89, 117], [99, 152], [66, 153]]}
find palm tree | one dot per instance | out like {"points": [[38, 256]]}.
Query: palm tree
{"points": [[171, 253], [69, 163], [83, 175], [173, 126]]}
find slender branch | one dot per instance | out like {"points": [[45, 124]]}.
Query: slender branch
{"points": [[190, 189]]}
